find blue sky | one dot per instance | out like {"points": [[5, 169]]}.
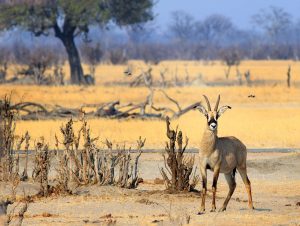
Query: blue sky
{"points": [[240, 11]]}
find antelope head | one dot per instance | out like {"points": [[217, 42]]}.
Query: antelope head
{"points": [[212, 116]]}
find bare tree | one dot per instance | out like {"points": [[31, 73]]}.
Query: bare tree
{"points": [[213, 28], [289, 77], [141, 32], [92, 54], [248, 77], [39, 61], [42, 167], [273, 21], [182, 25], [230, 57], [5, 58], [118, 55]]}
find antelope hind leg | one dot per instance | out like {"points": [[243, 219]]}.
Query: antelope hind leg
{"points": [[243, 173], [230, 178]]}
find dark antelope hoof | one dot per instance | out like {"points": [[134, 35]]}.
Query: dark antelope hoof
{"points": [[222, 209], [201, 212]]}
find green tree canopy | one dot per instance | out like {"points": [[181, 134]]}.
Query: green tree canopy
{"points": [[67, 19]]}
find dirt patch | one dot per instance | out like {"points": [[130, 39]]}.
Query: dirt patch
{"points": [[274, 165], [275, 184]]}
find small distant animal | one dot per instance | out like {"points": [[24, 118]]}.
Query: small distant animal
{"points": [[128, 71], [251, 96], [221, 155]]}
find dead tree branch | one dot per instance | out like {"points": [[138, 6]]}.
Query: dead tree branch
{"points": [[179, 168]]}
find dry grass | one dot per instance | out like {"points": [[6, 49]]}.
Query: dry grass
{"points": [[74, 96], [210, 71], [271, 119], [261, 127]]}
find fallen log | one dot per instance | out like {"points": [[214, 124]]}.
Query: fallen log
{"points": [[114, 110]]}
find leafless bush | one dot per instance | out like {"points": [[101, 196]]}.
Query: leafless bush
{"points": [[20, 52], [5, 58], [231, 57], [117, 56], [92, 54], [42, 166], [248, 77], [178, 172], [144, 79], [10, 146], [39, 60], [151, 53], [121, 159], [58, 74], [9, 158], [288, 74], [91, 165], [24, 175]]}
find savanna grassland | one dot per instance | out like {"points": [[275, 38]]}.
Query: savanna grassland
{"points": [[265, 115], [270, 119]]}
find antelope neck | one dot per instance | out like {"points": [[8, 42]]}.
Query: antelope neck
{"points": [[208, 140]]}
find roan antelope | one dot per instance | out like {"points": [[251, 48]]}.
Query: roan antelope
{"points": [[221, 155]]}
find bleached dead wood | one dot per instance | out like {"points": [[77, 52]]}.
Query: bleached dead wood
{"points": [[114, 109]]}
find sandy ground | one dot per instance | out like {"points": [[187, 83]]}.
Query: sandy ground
{"points": [[275, 181]]}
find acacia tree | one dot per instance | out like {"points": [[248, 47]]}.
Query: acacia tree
{"points": [[67, 19]]}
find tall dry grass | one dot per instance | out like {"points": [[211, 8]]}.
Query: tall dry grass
{"points": [[210, 70], [258, 127], [271, 119]]}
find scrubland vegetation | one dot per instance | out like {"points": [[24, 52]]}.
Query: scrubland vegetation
{"points": [[97, 125]]}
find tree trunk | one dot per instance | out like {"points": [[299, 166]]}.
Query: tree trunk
{"points": [[227, 72], [77, 76]]}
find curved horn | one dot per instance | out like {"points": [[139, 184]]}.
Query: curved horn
{"points": [[207, 102], [217, 103]]}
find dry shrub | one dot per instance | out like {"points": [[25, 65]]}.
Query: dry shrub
{"points": [[24, 175], [41, 167], [122, 159], [91, 165], [92, 54], [117, 56], [10, 146], [38, 61], [231, 57], [5, 58], [178, 173], [9, 157]]}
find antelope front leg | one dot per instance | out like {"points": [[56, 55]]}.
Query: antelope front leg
{"points": [[204, 189], [214, 188]]}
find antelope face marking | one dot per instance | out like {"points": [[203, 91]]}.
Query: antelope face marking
{"points": [[212, 115], [212, 121]]}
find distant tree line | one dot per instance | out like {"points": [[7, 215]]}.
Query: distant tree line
{"points": [[274, 35]]}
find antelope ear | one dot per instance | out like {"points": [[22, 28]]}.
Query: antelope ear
{"points": [[222, 110], [202, 110]]}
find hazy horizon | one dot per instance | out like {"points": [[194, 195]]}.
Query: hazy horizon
{"points": [[239, 11]]}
